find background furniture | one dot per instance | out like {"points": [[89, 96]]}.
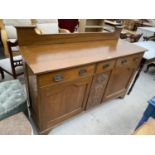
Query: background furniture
{"points": [[113, 22], [130, 24], [69, 24], [10, 64], [1, 47], [8, 32], [148, 22], [130, 37], [148, 58], [16, 125], [12, 99], [14, 64], [93, 67], [2, 73], [150, 46], [152, 64], [148, 128], [16, 61], [6, 66], [149, 112], [49, 26], [91, 25], [146, 31]]}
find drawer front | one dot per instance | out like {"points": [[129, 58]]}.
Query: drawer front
{"points": [[136, 59], [105, 66], [123, 62], [65, 75], [129, 61]]}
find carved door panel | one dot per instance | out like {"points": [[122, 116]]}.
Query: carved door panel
{"points": [[97, 89], [64, 100]]}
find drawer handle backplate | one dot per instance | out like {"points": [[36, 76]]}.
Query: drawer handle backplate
{"points": [[105, 66], [82, 72], [124, 61], [58, 78]]}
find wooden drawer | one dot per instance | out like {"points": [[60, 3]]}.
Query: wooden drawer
{"points": [[136, 59], [124, 62], [105, 66], [65, 75], [129, 61]]}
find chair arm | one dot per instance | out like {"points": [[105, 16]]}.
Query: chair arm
{"points": [[64, 31], [4, 41]]}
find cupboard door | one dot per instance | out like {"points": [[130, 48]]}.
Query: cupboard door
{"points": [[119, 82], [97, 89], [61, 101]]}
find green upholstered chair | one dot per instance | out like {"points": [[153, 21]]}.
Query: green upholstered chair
{"points": [[12, 99]]}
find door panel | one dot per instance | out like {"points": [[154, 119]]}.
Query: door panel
{"points": [[119, 81], [97, 89], [64, 100]]}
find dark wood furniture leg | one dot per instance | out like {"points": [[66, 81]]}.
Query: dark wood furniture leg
{"points": [[148, 66], [2, 73], [137, 75], [14, 63]]}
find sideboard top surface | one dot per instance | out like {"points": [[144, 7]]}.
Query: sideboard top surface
{"points": [[47, 58]]}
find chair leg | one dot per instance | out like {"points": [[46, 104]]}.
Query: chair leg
{"points": [[147, 69], [2, 73], [148, 66], [14, 72]]}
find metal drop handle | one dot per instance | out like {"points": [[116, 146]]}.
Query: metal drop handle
{"points": [[82, 72], [124, 61], [58, 78], [105, 66]]}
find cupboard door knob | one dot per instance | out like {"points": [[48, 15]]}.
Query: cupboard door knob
{"points": [[82, 72], [105, 66], [58, 78], [124, 61]]}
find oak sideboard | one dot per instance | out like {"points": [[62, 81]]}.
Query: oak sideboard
{"points": [[69, 73]]}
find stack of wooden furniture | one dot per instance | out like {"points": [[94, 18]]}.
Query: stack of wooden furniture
{"points": [[69, 73], [131, 24], [91, 25], [113, 22]]}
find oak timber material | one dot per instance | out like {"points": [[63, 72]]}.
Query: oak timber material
{"points": [[65, 75], [70, 54], [63, 100], [105, 66], [97, 88], [99, 83], [68, 73], [121, 76], [28, 36]]}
